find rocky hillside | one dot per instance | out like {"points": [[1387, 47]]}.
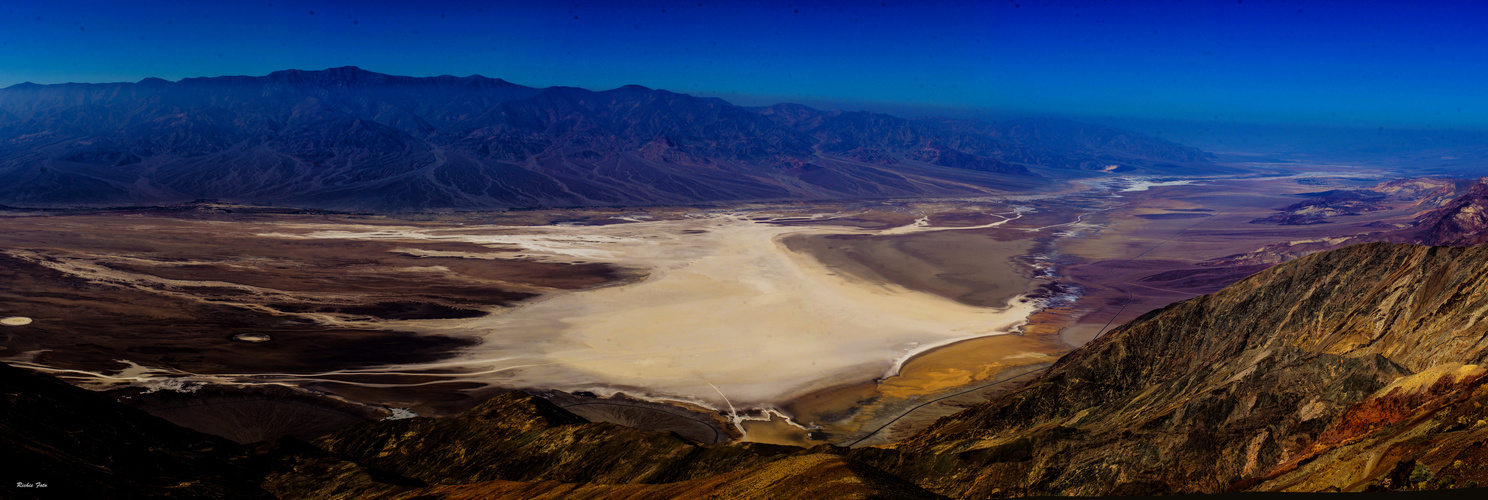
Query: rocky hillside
{"points": [[1353, 369], [353, 139], [1460, 222]]}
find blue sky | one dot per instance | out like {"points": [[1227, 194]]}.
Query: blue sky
{"points": [[1365, 64]]}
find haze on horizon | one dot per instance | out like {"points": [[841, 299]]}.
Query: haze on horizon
{"points": [[1353, 64]]}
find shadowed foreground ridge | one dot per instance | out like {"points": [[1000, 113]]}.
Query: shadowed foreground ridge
{"points": [[1358, 369], [520, 445], [83, 444], [516, 446]]}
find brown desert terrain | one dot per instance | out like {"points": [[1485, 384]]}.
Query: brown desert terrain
{"points": [[852, 323]]}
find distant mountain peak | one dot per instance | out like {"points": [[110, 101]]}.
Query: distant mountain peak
{"points": [[337, 71], [341, 75]]}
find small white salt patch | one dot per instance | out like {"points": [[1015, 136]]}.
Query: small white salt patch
{"points": [[400, 414], [251, 337]]}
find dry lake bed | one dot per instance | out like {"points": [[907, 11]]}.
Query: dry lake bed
{"points": [[842, 322]]}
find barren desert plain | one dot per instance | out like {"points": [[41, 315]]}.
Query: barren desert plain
{"points": [[851, 323]]}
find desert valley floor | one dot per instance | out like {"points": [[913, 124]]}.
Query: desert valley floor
{"points": [[851, 323]]}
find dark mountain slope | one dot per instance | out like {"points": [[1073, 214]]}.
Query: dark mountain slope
{"points": [[522, 446], [1238, 389], [1012, 147], [820, 475], [349, 138], [80, 444], [519, 437]]}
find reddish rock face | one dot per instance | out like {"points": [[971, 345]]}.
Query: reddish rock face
{"points": [[1372, 414]]}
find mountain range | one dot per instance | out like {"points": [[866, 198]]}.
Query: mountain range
{"points": [[346, 138]]}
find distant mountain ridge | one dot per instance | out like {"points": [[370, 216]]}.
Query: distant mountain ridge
{"points": [[354, 139]]}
